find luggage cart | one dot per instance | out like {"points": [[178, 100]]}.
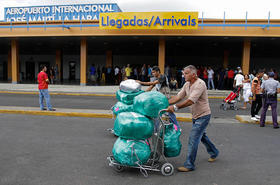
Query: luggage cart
{"points": [[157, 151]]}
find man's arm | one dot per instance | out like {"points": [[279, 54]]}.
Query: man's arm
{"points": [[234, 82], [151, 84], [278, 90], [183, 104], [150, 88], [148, 83], [174, 99]]}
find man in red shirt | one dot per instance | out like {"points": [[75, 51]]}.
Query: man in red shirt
{"points": [[43, 82], [230, 77]]}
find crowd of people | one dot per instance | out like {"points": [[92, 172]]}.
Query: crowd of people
{"points": [[218, 79]]}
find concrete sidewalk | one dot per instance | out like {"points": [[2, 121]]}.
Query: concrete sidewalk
{"points": [[247, 119], [81, 90]]}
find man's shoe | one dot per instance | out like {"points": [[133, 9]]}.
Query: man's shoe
{"points": [[183, 169], [262, 126], [254, 119], [52, 109], [211, 159], [257, 116], [44, 109], [276, 127]]}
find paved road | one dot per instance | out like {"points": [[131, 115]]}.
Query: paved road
{"points": [[45, 150], [99, 102]]}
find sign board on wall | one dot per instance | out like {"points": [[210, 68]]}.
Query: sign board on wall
{"points": [[149, 20], [58, 12]]}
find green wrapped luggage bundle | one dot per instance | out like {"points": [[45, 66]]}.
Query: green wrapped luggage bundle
{"points": [[122, 107], [131, 125], [172, 144], [131, 152], [127, 98], [150, 103]]}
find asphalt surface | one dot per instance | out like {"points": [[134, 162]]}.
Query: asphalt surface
{"points": [[46, 150], [105, 103]]}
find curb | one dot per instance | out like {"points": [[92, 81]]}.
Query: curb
{"points": [[72, 114], [241, 120]]}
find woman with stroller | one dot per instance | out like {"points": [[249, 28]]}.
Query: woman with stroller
{"points": [[246, 90]]}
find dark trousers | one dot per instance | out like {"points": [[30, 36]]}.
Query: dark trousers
{"points": [[256, 105], [273, 103]]}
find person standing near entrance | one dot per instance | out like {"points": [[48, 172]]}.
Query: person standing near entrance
{"points": [[128, 71], [93, 74], [270, 88], [195, 91], [210, 73], [43, 82]]}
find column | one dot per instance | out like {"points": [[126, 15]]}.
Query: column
{"points": [[109, 58], [15, 61], [161, 55], [58, 63], [246, 56], [226, 55], [83, 62]]}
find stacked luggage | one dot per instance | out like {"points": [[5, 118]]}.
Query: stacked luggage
{"points": [[135, 113]]}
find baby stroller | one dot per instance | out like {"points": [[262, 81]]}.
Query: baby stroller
{"points": [[156, 143], [230, 102]]}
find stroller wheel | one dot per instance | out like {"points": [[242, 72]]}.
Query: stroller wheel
{"points": [[167, 169], [224, 107], [221, 106], [118, 168]]}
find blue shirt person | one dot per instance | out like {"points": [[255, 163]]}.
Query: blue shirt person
{"points": [[270, 88]]}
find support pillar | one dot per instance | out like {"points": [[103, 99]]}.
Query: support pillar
{"points": [[246, 56], [58, 63], [15, 61], [161, 55], [226, 55], [109, 58], [9, 66], [83, 62]]}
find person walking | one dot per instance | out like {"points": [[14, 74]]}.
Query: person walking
{"points": [[257, 97], [246, 90], [195, 91], [270, 88], [238, 83], [43, 82]]}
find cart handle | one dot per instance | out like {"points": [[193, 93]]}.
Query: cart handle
{"points": [[163, 110]]}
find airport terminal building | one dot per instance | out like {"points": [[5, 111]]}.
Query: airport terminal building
{"points": [[71, 38]]}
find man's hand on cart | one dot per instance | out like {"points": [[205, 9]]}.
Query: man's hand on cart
{"points": [[170, 109]]}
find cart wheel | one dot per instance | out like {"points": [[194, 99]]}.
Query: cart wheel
{"points": [[167, 169], [118, 168], [235, 107]]}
